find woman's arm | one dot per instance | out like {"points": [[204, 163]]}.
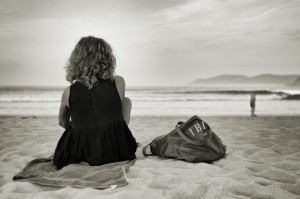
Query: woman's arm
{"points": [[126, 102], [64, 112], [126, 105]]}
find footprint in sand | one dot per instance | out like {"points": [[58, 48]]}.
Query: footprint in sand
{"points": [[286, 166], [257, 168], [263, 182], [251, 151], [292, 188], [275, 175], [248, 192]]}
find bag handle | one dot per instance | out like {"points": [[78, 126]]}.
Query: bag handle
{"points": [[145, 150]]}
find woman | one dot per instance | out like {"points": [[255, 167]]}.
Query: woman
{"points": [[95, 102]]}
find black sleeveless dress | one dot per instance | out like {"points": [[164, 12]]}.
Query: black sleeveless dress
{"points": [[98, 133]]}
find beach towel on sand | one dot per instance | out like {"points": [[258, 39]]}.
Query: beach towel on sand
{"points": [[42, 171]]}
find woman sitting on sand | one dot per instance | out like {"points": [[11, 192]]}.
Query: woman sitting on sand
{"points": [[95, 101]]}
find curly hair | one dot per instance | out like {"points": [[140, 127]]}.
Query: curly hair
{"points": [[91, 60]]}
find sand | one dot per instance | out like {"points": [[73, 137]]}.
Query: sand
{"points": [[262, 160]]}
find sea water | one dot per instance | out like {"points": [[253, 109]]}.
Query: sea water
{"points": [[161, 101]]}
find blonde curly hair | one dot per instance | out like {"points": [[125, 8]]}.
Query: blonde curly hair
{"points": [[91, 60]]}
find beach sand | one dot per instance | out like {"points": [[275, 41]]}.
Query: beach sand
{"points": [[262, 160]]}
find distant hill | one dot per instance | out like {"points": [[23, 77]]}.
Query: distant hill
{"points": [[296, 83], [264, 79]]}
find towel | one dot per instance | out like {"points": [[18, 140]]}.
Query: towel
{"points": [[42, 171]]}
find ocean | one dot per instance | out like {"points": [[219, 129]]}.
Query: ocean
{"points": [[161, 101]]}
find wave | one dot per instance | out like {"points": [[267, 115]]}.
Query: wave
{"points": [[231, 92], [146, 95], [162, 98], [192, 90], [292, 97], [30, 99]]}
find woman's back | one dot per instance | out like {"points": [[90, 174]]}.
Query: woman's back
{"points": [[100, 105], [98, 133]]}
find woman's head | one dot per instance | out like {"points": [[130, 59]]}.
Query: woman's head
{"points": [[92, 59]]}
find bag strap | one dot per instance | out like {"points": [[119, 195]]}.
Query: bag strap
{"points": [[145, 150], [183, 136]]}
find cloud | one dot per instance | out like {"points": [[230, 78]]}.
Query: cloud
{"points": [[155, 37]]}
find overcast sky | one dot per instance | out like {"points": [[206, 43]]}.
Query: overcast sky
{"points": [[156, 42]]}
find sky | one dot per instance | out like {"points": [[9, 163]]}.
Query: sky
{"points": [[156, 42]]}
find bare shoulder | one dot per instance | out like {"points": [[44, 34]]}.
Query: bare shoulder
{"points": [[65, 96], [120, 84], [119, 80]]}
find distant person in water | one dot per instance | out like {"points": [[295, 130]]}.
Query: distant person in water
{"points": [[252, 104], [94, 110]]}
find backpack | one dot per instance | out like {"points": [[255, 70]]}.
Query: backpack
{"points": [[191, 141]]}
